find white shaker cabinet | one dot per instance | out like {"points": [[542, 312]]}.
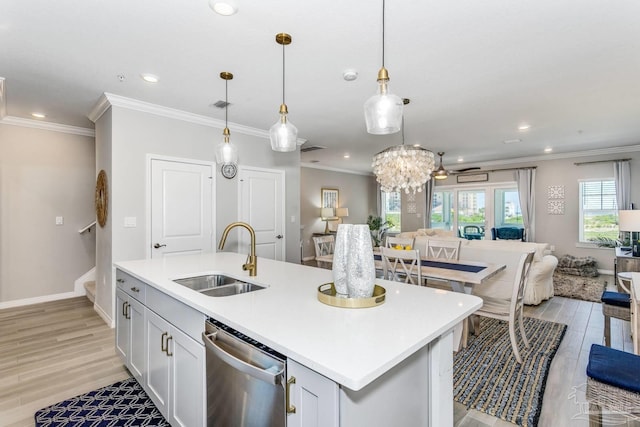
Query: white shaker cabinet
{"points": [[130, 333], [313, 398], [175, 372]]}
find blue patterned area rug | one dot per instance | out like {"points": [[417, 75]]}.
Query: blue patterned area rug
{"points": [[487, 377], [121, 404]]}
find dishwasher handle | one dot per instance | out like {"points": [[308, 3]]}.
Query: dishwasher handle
{"points": [[240, 365]]}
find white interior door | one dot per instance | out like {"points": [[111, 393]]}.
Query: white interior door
{"points": [[262, 206], [181, 207]]}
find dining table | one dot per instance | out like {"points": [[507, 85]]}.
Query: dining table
{"points": [[462, 276]]}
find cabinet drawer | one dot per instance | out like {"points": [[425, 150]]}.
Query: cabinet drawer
{"points": [[182, 316], [131, 286]]}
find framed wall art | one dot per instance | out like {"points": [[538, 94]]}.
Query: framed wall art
{"points": [[329, 198]]}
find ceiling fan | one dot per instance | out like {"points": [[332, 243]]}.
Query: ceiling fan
{"points": [[442, 173]]}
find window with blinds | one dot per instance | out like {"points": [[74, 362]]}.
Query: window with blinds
{"points": [[598, 210]]}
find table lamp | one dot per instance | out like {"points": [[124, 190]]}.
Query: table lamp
{"points": [[326, 214], [342, 212], [629, 220]]}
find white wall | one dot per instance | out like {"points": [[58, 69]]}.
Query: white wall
{"points": [[357, 193], [134, 134], [44, 174]]}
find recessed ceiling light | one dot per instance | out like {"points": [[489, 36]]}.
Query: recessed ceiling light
{"points": [[224, 8], [416, 145], [349, 75], [149, 78], [460, 159], [511, 141], [346, 156], [548, 150], [38, 115], [524, 127]]}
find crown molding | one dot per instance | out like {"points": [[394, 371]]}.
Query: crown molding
{"points": [[108, 99], [327, 168], [3, 99], [54, 127], [552, 156]]}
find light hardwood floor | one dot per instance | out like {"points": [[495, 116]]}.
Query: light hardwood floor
{"points": [[53, 351], [50, 352], [564, 401]]}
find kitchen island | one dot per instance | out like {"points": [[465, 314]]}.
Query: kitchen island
{"points": [[390, 364]]}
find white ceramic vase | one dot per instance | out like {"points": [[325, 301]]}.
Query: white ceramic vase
{"points": [[361, 270], [341, 259]]}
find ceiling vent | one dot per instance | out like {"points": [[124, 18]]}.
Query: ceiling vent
{"points": [[220, 104], [311, 148]]}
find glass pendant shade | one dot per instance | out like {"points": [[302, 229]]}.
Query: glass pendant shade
{"points": [[441, 172], [283, 134], [226, 152], [403, 168], [383, 111]]}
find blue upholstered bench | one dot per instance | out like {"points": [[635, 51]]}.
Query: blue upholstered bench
{"points": [[613, 383], [614, 304]]}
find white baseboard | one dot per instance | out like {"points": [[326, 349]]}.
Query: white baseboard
{"points": [[607, 272], [107, 319], [37, 300]]}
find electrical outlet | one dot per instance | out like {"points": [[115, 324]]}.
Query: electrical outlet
{"points": [[59, 220]]}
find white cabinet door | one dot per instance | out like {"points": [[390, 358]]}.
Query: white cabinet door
{"points": [[122, 326], [157, 381], [315, 397], [187, 381], [136, 360]]}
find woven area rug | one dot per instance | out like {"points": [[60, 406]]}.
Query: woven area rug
{"points": [[487, 377], [578, 287], [121, 404]]}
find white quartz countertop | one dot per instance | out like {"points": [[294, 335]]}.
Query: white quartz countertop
{"points": [[352, 347]]}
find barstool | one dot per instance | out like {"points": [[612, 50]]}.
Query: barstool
{"points": [[613, 383], [614, 304]]}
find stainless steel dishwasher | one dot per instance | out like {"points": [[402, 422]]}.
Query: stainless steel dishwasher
{"points": [[245, 380]]}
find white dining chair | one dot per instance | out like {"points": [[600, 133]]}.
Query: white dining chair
{"points": [[324, 246], [508, 309], [447, 249], [401, 265]]}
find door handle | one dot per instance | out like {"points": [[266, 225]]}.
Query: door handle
{"points": [[163, 343], [291, 409], [279, 236], [158, 246]]}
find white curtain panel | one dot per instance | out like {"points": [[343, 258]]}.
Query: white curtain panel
{"points": [[428, 195], [526, 179], [622, 178]]}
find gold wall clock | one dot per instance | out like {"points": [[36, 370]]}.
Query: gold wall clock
{"points": [[102, 198]]}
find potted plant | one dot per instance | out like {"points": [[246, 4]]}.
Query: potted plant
{"points": [[378, 227]]}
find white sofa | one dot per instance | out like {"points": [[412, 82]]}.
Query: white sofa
{"points": [[539, 285]]}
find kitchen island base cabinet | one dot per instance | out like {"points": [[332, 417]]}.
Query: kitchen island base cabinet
{"points": [[130, 334], [175, 373], [399, 397]]}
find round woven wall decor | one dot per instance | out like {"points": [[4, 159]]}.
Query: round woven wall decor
{"points": [[102, 198]]}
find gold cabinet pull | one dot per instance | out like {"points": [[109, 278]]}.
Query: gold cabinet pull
{"points": [[290, 408], [169, 351], [163, 343]]}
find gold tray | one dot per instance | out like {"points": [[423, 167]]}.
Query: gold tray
{"points": [[327, 295]]}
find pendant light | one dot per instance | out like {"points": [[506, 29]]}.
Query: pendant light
{"points": [[441, 172], [383, 111], [226, 152], [403, 167], [283, 134]]}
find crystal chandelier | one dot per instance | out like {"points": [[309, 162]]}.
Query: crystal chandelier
{"points": [[226, 151], [383, 111], [283, 134], [403, 168]]}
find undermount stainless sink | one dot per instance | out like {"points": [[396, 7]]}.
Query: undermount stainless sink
{"points": [[218, 285]]}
